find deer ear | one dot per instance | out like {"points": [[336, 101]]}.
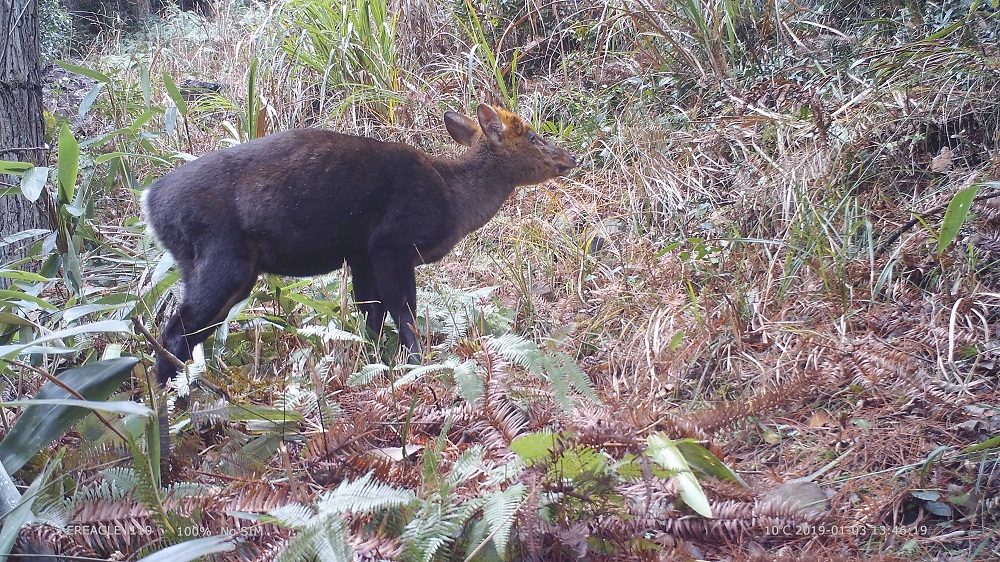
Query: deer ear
{"points": [[461, 128], [490, 122]]}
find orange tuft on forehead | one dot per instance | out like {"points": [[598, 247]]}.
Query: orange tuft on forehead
{"points": [[513, 121]]}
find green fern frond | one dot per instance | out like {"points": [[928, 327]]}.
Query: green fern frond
{"points": [[293, 515], [433, 527], [188, 490], [323, 532], [120, 480], [331, 541], [432, 477], [414, 373], [363, 495], [116, 484], [563, 368], [468, 465], [452, 312], [147, 489], [563, 374], [209, 414], [295, 398], [469, 382], [499, 511], [330, 333], [301, 548], [367, 374]]}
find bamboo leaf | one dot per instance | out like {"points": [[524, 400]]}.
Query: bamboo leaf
{"points": [[89, 99], [33, 182], [15, 168], [193, 550], [174, 93], [68, 165], [664, 452], [11, 295], [40, 424], [119, 407], [85, 72], [144, 86], [954, 217], [19, 514]]}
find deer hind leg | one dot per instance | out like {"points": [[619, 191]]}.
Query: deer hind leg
{"points": [[212, 285]]}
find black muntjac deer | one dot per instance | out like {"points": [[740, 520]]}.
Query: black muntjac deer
{"points": [[302, 202]]}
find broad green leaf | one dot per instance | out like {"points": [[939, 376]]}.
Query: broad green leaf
{"points": [[68, 164], [664, 452], [19, 514], [193, 550], [120, 407], [89, 73], [702, 460], [89, 99], [250, 412], [39, 425], [33, 182], [955, 217], [14, 168], [77, 312], [534, 447], [144, 86], [16, 274], [15, 320], [13, 296], [174, 93]]}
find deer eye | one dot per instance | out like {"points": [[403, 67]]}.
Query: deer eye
{"points": [[532, 137]]}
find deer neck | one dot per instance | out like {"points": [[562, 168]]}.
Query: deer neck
{"points": [[478, 184]]}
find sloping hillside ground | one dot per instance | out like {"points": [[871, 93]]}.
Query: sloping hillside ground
{"points": [[750, 255]]}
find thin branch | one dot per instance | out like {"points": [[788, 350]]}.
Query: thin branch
{"points": [[159, 349], [157, 346]]}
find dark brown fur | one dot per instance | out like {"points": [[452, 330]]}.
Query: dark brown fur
{"points": [[302, 202]]}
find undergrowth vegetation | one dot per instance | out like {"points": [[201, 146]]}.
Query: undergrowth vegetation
{"points": [[758, 322]]}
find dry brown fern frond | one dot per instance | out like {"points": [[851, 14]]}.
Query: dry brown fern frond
{"points": [[341, 438], [739, 521], [112, 525], [40, 539], [727, 413]]}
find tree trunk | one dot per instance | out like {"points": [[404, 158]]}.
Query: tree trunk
{"points": [[22, 123], [143, 8]]}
